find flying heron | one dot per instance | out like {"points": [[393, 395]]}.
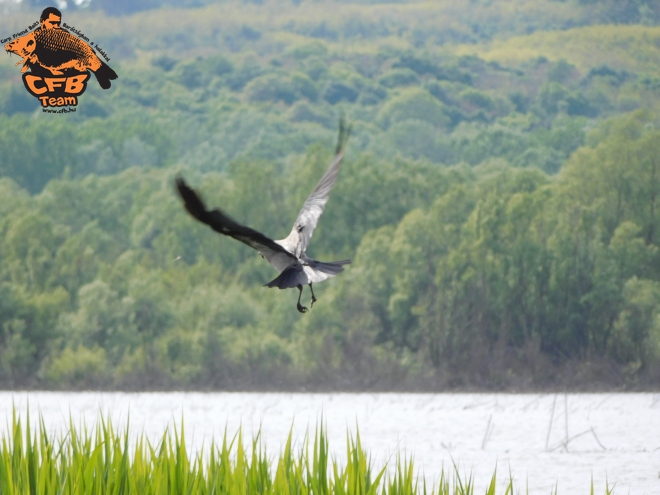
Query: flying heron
{"points": [[287, 255]]}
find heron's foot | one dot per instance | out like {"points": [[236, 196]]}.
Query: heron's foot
{"points": [[313, 301], [302, 308]]}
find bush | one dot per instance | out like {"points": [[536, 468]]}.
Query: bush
{"points": [[417, 139], [80, 368], [338, 91], [304, 85], [271, 87], [414, 103], [551, 95], [399, 77], [304, 112], [311, 49]]}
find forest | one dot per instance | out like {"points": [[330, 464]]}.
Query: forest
{"points": [[499, 197]]}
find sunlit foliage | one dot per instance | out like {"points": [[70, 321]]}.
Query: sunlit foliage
{"points": [[499, 197]]}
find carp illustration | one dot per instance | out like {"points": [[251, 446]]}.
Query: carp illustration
{"points": [[57, 50]]}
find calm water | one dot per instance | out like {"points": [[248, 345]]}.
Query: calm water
{"points": [[611, 437]]}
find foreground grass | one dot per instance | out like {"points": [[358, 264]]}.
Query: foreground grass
{"points": [[103, 461]]}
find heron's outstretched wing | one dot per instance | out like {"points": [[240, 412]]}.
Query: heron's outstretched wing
{"points": [[311, 210], [222, 223]]}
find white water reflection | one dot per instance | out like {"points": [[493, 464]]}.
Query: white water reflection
{"points": [[613, 438]]}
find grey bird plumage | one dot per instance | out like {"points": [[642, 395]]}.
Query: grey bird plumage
{"points": [[288, 256]]}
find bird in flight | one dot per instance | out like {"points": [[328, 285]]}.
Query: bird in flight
{"points": [[288, 256]]}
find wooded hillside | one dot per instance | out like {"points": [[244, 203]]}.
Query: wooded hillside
{"points": [[499, 197]]}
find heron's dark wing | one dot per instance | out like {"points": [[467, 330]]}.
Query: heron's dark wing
{"points": [[222, 223], [311, 210]]}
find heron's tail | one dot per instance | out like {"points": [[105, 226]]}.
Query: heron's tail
{"points": [[289, 278], [331, 267], [315, 271]]}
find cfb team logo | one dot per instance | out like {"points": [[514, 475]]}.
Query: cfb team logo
{"points": [[58, 61]]}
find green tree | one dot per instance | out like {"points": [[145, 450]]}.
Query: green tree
{"points": [[414, 103]]}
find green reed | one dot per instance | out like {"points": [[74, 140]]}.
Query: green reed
{"points": [[103, 461]]}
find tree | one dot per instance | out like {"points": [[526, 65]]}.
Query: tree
{"points": [[415, 103]]}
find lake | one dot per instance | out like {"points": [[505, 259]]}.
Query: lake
{"points": [[544, 440]]}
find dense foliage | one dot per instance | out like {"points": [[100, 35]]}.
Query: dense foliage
{"points": [[499, 197]]}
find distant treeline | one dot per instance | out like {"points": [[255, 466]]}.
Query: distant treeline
{"points": [[489, 276], [502, 217], [617, 11]]}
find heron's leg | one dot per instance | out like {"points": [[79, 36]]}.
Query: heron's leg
{"points": [[313, 296], [300, 307]]}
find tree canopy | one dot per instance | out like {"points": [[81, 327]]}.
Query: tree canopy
{"points": [[499, 197]]}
